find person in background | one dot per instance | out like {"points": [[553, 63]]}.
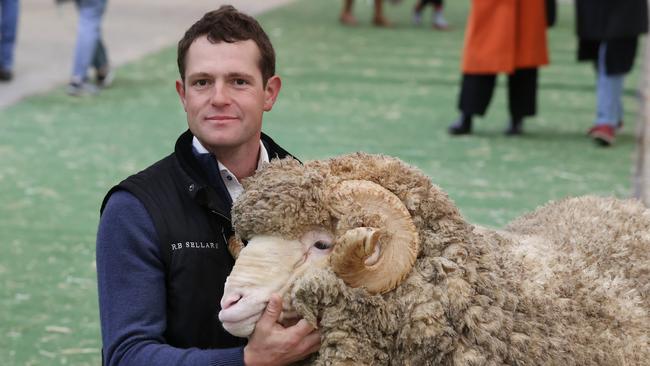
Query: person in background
{"points": [[438, 20], [378, 19], [502, 37], [608, 34], [162, 256], [89, 50], [8, 29]]}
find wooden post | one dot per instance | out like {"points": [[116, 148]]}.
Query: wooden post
{"points": [[642, 173]]}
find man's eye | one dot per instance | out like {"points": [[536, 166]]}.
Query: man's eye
{"points": [[202, 83], [240, 82]]}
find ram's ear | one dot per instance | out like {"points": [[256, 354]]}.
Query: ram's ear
{"points": [[235, 245], [375, 259]]}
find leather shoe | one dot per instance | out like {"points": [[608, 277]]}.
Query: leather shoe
{"points": [[6, 75], [462, 126], [515, 128]]}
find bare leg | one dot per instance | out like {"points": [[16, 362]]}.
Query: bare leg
{"points": [[379, 20], [347, 18]]}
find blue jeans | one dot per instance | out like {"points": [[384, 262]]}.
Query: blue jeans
{"points": [[609, 92], [90, 49], [8, 27]]}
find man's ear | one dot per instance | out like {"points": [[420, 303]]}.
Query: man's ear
{"points": [[271, 91], [180, 89]]}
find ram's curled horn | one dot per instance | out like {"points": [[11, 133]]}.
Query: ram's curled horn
{"points": [[377, 258]]}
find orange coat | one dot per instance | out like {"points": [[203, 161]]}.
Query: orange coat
{"points": [[504, 35]]}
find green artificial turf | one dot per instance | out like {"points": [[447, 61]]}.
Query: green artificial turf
{"points": [[390, 91]]}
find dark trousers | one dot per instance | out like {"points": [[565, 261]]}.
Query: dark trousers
{"points": [[434, 2], [477, 89]]}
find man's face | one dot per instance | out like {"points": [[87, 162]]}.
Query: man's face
{"points": [[223, 94]]}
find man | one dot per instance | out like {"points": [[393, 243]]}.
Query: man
{"points": [[162, 258], [608, 33]]}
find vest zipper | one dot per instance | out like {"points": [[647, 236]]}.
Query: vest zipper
{"points": [[223, 232], [221, 215]]}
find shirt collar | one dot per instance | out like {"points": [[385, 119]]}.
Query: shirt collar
{"points": [[196, 144], [233, 186]]}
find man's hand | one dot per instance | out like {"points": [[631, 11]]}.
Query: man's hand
{"points": [[273, 344]]}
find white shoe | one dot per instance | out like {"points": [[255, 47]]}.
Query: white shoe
{"points": [[105, 81], [81, 89], [439, 21]]}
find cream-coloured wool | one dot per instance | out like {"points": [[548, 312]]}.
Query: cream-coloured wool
{"points": [[568, 284]]}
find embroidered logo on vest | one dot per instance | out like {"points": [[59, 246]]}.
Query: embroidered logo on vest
{"points": [[194, 245]]}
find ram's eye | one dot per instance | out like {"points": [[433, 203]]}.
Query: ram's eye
{"points": [[322, 245]]}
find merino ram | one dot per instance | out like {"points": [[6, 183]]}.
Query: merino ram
{"points": [[367, 249]]}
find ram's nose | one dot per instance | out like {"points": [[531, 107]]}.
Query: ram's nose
{"points": [[230, 300]]}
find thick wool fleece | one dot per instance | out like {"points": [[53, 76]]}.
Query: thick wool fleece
{"points": [[565, 285]]}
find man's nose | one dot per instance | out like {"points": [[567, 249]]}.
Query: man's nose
{"points": [[220, 94]]}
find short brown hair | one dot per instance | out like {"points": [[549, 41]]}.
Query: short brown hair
{"points": [[227, 24]]}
